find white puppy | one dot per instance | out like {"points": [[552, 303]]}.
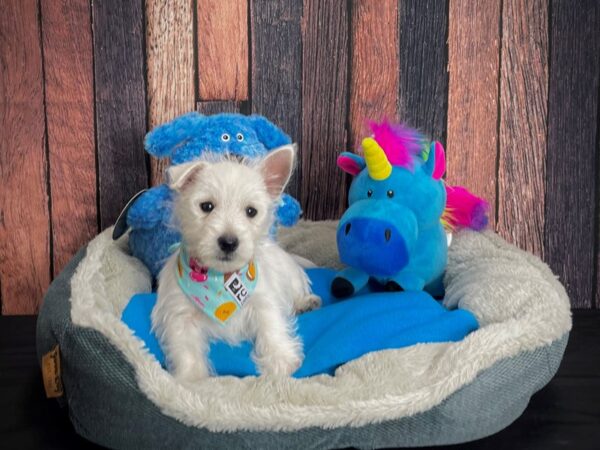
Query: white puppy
{"points": [[228, 280]]}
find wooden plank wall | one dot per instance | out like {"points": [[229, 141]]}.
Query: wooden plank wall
{"points": [[170, 72], [69, 89], [25, 241], [325, 35], [120, 98], [571, 231], [474, 69], [511, 87]]}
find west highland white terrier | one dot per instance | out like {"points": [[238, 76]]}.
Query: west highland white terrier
{"points": [[228, 280]]}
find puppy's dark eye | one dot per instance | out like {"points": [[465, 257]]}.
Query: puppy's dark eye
{"points": [[369, 193], [225, 137], [239, 137], [251, 212], [207, 206], [390, 193]]}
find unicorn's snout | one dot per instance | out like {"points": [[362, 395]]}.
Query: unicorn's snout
{"points": [[387, 232], [376, 245]]}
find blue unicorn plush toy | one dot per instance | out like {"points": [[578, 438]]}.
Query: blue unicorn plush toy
{"points": [[393, 230], [186, 138]]}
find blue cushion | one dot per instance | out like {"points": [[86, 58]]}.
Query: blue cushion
{"points": [[340, 331]]}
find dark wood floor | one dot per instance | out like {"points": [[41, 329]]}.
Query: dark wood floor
{"points": [[564, 415]]}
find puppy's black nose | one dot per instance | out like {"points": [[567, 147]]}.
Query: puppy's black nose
{"points": [[228, 243]]}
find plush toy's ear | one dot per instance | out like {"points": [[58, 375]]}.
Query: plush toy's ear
{"points": [[183, 175], [440, 161], [277, 168], [351, 163], [164, 139], [436, 161], [268, 133]]}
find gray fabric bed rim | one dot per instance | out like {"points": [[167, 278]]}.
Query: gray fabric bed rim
{"points": [[107, 406]]}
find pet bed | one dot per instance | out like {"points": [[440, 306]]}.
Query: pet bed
{"points": [[119, 396]]}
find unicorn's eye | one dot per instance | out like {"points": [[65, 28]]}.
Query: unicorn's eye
{"points": [[239, 137], [369, 193], [390, 193], [225, 137]]}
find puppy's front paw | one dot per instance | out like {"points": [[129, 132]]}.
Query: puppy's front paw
{"points": [[308, 303], [281, 360], [280, 365], [190, 372]]}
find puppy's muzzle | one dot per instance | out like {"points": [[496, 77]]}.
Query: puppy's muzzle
{"points": [[228, 243]]}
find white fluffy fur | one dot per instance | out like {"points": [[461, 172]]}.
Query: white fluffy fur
{"points": [[267, 318], [519, 302]]}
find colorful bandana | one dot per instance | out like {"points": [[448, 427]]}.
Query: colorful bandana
{"points": [[219, 295]]}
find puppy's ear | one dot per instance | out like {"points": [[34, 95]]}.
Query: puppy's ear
{"points": [[183, 175], [277, 168]]}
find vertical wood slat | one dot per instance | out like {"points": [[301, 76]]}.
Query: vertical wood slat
{"points": [[120, 104], [523, 123], [423, 98], [324, 105], [473, 63], [573, 145], [24, 216], [209, 108], [277, 68], [69, 88], [374, 83], [223, 49], [170, 66]]}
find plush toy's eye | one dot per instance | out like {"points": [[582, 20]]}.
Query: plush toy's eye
{"points": [[390, 193], [225, 137], [207, 206], [251, 212], [240, 137], [369, 193]]}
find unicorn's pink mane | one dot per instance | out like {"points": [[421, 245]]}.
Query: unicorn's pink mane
{"points": [[402, 145], [464, 210]]}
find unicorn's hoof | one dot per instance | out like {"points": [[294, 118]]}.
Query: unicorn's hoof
{"points": [[341, 288]]}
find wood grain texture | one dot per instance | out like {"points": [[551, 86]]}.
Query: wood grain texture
{"points": [[69, 86], [325, 38], [423, 98], [209, 108], [523, 123], [374, 81], [277, 68], [170, 66], [473, 63], [223, 49], [120, 104], [24, 216], [573, 146]]}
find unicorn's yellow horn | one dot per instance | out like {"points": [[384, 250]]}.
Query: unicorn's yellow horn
{"points": [[377, 163]]}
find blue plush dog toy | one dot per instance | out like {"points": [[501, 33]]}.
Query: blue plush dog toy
{"points": [[182, 140]]}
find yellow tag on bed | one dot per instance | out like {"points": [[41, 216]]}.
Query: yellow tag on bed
{"points": [[51, 373]]}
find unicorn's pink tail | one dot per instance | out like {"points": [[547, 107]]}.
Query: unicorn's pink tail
{"points": [[464, 210]]}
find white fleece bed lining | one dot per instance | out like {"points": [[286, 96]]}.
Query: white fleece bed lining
{"points": [[517, 300]]}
